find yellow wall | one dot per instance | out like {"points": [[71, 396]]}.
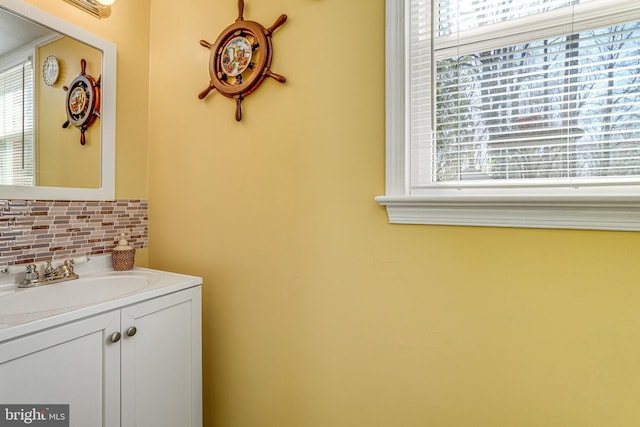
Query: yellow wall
{"points": [[319, 313], [56, 145]]}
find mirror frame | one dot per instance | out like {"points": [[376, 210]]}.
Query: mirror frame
{"points": [[106, 191]]}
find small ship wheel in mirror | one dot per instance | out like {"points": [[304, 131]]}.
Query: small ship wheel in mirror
{"points": [[240, 59], [82, 102]]}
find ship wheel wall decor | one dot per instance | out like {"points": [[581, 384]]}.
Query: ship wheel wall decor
{"points": [[240, 59], [82, 103]]}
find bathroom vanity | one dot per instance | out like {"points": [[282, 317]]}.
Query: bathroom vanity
{"points": [[120, 348]]}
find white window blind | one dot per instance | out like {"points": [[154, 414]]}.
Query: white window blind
{"points": [[514, 113], [547, 104], [16, 125]]}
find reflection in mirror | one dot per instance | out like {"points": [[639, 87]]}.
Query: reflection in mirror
{"points": [[58, 146], [40, 56], [33, 155]]}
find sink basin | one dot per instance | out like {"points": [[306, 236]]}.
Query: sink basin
{"points": [[99, 289], [88, 290]]}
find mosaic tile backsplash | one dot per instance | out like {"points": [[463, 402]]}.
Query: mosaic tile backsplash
{"points": [[35, 230]]}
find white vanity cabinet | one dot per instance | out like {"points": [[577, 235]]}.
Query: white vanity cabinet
{"points": [[138, 365], [161, 364], [72, 364]]}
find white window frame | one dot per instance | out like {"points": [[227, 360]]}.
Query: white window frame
{"points": [[594, 207], [19, 57]]}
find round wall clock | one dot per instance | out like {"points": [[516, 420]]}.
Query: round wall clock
{"points": [[240, 59], [50, 70], [82, 102]]}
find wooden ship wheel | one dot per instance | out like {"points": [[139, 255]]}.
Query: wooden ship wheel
{"points": [[240, 59], [82, 101]]}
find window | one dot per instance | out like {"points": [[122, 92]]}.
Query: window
{"points": [[514, 113], [16, 121]]}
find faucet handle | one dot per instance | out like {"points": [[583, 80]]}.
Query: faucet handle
{"points": [[32, 273], [49, 268], [69, 263]]}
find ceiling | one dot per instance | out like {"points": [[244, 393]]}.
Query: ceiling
{"points": [[16, 31]]}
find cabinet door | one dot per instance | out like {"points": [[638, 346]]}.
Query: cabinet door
{"points": [[162, 362], [75, 364]]}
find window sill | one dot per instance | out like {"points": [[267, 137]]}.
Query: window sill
{"points": [[620, 213]]}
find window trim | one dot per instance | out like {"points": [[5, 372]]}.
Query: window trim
{"points": [[563, 207]]}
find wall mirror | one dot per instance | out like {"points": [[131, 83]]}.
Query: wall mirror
{"points": [[40, 55]]}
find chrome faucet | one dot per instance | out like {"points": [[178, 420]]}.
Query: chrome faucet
{"points": [[51, 275]]}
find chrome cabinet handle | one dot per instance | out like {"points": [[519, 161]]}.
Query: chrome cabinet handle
{"points": [[115, 337], [132, 331]]}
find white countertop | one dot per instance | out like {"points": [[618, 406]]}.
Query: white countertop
{"points": [[99, 289]]}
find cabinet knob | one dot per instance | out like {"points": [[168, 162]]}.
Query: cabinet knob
{"points": [[132, 331], [115, 337]]}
